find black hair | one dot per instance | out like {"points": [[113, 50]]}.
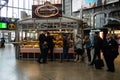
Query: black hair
{"points": [[97, 33], [48, 32]]}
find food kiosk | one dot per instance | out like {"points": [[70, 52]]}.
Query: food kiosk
{"points": [[28, 30], [45, 17]]}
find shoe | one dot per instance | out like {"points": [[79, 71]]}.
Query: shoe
{"points": [[61, 61], [44, 62], [110, 70], [91, 64], [38, 61], [79, 61]]}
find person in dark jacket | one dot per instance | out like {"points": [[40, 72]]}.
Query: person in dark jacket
{"points": [[3, 42], [50, 45], [97, 47], [88, 46], [66, 47], [43, 48], [110, 52]]}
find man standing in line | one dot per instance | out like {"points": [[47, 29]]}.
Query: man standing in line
{"points": [[66, 46], [97, 47], [110, 52], [43, 48], [50, 45]]}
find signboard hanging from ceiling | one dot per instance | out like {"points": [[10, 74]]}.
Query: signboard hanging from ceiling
{"points": [[47, 10]]}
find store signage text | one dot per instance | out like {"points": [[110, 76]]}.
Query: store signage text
{"points": [[46, 11]]}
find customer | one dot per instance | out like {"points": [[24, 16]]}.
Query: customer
{"points": [[97, 47], [3, 42], [110, 52], [88, 45], [43, 48], [50, 45], [79, 50], [66, 45]]}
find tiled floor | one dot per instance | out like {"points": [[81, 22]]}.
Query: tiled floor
{"points": [[12, 69]]}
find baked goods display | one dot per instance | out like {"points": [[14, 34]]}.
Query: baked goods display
{"points": [[35, 44]]}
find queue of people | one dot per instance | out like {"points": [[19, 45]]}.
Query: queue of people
{"points": [[108, 46], [46, 45]]}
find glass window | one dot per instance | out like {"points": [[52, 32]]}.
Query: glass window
{"points": [[15, 3], [21, 3], [30, 4], [9, 12], [3, 12], [26, 4], [10, 2], [15, 13]]}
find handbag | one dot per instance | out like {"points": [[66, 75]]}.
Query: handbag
{"points": [[99, 63], [75, 49]]}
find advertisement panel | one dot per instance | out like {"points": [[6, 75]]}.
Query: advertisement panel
{"points": [[85, 4], [47, 11]]}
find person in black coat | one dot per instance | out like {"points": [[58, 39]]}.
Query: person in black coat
{"points": [[51, 45], [3, 42], [66, 46], [110, 52], [98, 42], [43, 48]]}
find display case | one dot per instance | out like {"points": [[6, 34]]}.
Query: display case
{"points": [[27, 36]]}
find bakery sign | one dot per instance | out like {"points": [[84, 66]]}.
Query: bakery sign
{"points": [[47, 11]]}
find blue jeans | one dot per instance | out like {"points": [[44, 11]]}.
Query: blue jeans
{"points": [[65, 54]]}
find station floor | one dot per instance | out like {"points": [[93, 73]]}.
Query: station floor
{"points": [[12, 69]]}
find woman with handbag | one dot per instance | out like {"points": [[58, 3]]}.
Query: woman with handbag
{"points": [[78, 49]]}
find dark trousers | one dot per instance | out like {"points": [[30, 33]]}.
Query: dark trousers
{"points": [[2, 44], [43, 55], [50, 48], [65, 54], [89, 54], [96, 55], [109, 59]]}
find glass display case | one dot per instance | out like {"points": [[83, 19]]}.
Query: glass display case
{"points": [[27, 37]]}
